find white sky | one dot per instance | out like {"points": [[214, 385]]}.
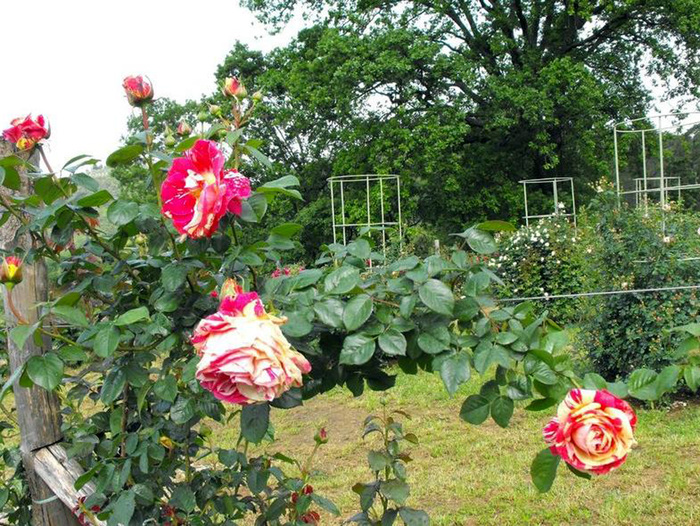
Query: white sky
{"points": [[66, 59]]}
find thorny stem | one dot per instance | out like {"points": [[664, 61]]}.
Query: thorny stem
{"points": [[125, 419], [43, 156]]}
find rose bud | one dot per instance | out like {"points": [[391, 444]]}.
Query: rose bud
{"points": [[295, 497], [138, 91], [321, 436], [307, 490], [592, 432], [170, 141], [233, 87], [214, 294], [202, 116], [215, 109], [257, 96], [11, 271], [183, 129]]}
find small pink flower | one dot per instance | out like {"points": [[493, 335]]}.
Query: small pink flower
{"points": [[214, 294], [276, 273], [244, 357], [237, 189], [593, 431], [286, 271], [233, 87], [194, 193]]}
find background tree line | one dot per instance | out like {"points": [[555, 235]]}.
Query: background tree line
{"points": [[461, 98]]}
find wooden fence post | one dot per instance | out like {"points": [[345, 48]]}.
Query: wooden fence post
{"points": [[38, 410]]}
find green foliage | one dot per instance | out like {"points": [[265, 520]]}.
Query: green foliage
{"points": [[384, 499]]}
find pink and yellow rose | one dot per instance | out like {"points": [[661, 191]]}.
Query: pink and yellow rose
{"points": [[197, 192], [27, 132], [244, 357], [233, 87], [11, 271], [593, 431]]}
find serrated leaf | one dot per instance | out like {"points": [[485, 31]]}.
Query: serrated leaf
{"points": [[437, 296], [544, 470], [393, 343], [357, 311], [45, 371]]}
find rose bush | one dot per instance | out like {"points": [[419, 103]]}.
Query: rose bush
{"points": [[144, 343]]}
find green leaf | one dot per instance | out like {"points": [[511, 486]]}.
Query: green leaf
{"points": [[97, 199], [113, 385], [297, 325], [434, 340], [392, 342], [106, 341], [281, 186], [173, 276], [357, 349], [124, 155], [72, 315], [360, 248], [123, 510], [502, 410], [580, 474], [479, 241], [182, 411], [342, 280], [132, 316], [642, 384], [183, 498], [325, 504], [594, 381], [357, 311], [667, 379], [255, 419], [437, 296], [166, 388], [414, 517], [395, 489], [475, 409], [254, 152], [121, 212], [21, 333], [378, 460], [455, 371], [330, 312], [541, 404], [691, 375], [544, 470], [45, 371], [496, 226], [491, 354], [286, 229], [306, 278]]}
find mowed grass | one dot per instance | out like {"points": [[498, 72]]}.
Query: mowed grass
{"points": [[467, 475]]}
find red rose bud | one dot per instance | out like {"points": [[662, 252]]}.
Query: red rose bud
{"points": [[311, 517], [183, 129], [214, 294], [307, 490], [138, 91], [27, 133], [321, 436], [11, 271], [295, 497], [233, 87]]}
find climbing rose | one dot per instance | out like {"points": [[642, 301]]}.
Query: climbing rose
{"points": [[593, 431], [244, 357], [26, 133], [194, 193], [11, 271], [138, 90], [237, 189]]}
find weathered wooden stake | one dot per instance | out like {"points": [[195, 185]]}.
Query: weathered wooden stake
{"points": [[38, 410]]}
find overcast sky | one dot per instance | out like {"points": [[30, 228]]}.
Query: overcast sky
{"points": [[66, 59]]}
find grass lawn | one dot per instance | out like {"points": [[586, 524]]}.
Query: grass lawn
{"points": [[467, 475]]}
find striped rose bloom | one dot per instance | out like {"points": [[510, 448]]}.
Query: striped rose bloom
{"points": [[593, 431]]}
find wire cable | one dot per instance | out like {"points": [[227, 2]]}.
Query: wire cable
{"points": [[599, 293]]}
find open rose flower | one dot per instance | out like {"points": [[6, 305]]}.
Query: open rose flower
{"points": [[244, 357], [27, 132], [197, 193], [194, 193], [139, 91], [593, 431]]}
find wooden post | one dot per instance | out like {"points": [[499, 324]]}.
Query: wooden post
{"points": [[38, 411]]}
